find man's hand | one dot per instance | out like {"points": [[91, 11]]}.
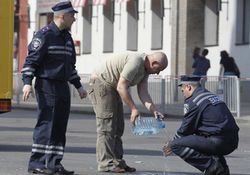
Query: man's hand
{"points": [[134, 113], [158, 115], [27, 90], [167, 148], [82, 92]]}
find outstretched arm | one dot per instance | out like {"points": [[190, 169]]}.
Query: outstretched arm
{"points": [[145, 98], [122, 88]]}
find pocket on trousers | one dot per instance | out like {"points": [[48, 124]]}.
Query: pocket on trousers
{"points": [[91, 95], [105, 123], [102, 90]]}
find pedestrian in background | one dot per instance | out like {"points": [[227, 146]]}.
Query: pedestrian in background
{"points": [[51, 59], [108, 86], [208, 130], [227, 64], [196, 52], [201, 64]]}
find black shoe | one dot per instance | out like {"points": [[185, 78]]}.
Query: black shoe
{"points": [[63, 171], [40, 171], [215, 168]]}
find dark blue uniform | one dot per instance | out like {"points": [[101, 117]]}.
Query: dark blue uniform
{"points": [[51, 60], [208, 131]]}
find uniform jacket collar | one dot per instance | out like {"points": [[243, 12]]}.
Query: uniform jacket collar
{"points": [[195, 93], [53, 27]]}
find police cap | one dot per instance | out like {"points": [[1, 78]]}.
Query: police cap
{"points": [[63, 7], [189, 79]]}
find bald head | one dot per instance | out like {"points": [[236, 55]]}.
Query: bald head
{"points": [[156, 62], [161, 58]]}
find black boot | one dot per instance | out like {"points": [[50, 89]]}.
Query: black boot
{"points": [[215, 168], [63, 171]]}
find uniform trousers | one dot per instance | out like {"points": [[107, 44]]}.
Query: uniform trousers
{"points": [[108, 108], [53, 99], [199, 151]]}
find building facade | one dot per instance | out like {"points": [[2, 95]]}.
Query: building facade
{"points": [[105, 27]]}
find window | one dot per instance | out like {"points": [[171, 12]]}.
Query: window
{"points": [[44, 19], [108, 12], [132, 31], [211, 23], [87, 27], [157, 8], [243, 21]]}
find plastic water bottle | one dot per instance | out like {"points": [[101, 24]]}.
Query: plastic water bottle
{"points": [[147, 126]]}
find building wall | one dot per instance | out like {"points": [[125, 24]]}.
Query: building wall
{"points": [[32, 26], [227, 41], [23, 28], [178, 40], [120, 34]]}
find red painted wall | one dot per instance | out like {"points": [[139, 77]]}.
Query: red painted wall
{"points": [[23, 32]]}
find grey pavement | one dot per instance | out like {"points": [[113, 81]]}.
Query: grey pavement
{"points": [[142, 152]]}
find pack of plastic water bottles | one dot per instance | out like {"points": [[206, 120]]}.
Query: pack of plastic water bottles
{"points": [[147, 126]]}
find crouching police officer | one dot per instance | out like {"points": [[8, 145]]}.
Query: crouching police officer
{"points": [[51, 59], [208, 130]]}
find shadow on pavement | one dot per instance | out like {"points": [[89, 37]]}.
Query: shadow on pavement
{"points": [[158, 173], [83, 150]]}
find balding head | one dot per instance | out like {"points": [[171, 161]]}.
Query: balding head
{"points": [[161, 58], [156, 62]]}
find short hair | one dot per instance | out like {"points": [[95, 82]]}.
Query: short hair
{"points": [[224, 54], [205, 52]]}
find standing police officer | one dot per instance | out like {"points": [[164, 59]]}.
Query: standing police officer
{"points": [[208, 130], [52, 60]]}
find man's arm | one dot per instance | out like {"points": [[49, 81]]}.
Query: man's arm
{"points": [[145, 98], [36, 52], [221, 70], [122, 88]]}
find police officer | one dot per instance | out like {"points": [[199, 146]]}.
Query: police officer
{"points": [[208, 130], [51, 59]]}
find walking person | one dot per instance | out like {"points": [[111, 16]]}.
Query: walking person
{"points": [[228, 67], [51, 59], [201, 64], [107, 88], [227, 64], [196, 52], [208, 130]]}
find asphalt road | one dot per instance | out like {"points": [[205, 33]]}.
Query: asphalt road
{"points": [[142, 152]]}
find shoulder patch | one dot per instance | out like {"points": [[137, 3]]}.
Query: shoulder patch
{"points": [[214, 100], [35, 44], [44, 29]]}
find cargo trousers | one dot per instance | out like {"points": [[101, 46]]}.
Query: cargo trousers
{"points": [[108, 108]]}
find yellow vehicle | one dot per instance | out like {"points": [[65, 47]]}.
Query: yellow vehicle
{"points": [[6, 51]]}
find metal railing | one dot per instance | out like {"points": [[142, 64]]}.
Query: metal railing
{"points": [[164, 91]]}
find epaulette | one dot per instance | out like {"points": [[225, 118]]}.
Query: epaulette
{"points": [[45, 29]]}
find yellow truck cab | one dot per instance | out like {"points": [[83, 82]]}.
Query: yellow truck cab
{"points": [[6, 52]]}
